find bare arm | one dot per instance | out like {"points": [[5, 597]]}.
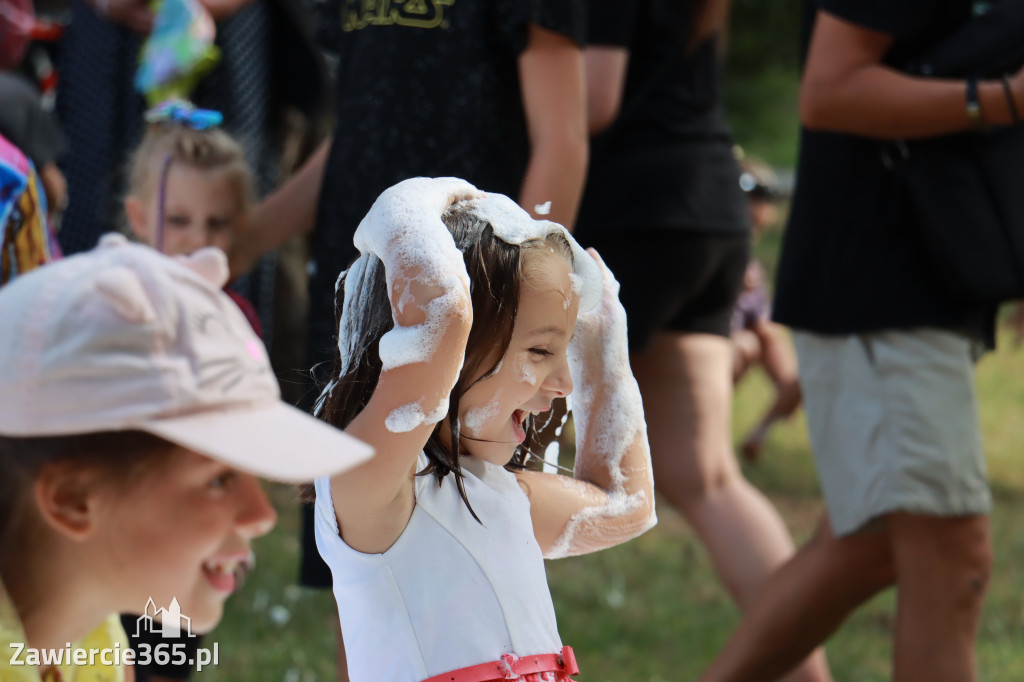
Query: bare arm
{"points": [[136, 15], [288, 212], [610, 499], [551, 80], [222, 9], [429, 291], [847, 89], [606, 80]]}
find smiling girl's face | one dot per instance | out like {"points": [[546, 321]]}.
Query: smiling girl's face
{"points": [[534, 370], [184, 534]]}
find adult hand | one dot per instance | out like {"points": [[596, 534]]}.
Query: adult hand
{"points": [[55, 187], [133, 14]]}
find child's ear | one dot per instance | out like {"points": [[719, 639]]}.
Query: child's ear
{"points": [[67, 500], [135, 209]]}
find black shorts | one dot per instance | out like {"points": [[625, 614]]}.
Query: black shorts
{"points": [[675, 280]]}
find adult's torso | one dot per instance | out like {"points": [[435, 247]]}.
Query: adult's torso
{"points": [[667, 161], [853, 258], [424, 88]]}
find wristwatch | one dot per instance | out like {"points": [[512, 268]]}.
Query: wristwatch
{"points": [[974, 115]]}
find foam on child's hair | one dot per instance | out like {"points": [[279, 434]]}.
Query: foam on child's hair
{"points": [[403, 231], [608, 414], [513, 225]]}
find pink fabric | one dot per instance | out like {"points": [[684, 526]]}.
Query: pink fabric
{"points": [[248, 309], [538, 668]]}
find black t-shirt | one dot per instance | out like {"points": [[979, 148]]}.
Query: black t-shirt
{"points": [[424, 88], [667, 161], [853, 258]]}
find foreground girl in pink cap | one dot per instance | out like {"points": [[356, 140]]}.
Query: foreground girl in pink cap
{"points": [[137, 410]]}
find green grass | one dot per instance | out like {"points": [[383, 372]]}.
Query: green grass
{"points": [[762, 113], [652, 610]]}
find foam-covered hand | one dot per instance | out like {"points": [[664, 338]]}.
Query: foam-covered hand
{"points": [[428, 287], [612, 452], [599, 341], [607, 408]]}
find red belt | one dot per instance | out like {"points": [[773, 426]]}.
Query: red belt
{"points": [[510, 667]]}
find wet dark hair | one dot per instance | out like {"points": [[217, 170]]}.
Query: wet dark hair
{"points": [[121, 457], [496, 275]]}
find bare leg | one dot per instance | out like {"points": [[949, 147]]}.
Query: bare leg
{"points": [[943, 568], [686, 382], [746, 353], [803, 603], [779, 362]]}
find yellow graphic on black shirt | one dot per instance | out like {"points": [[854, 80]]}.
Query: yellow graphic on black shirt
{"points": [[358, 14]]}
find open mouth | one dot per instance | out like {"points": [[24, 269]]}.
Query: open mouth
{"points": [[227, 574], [518, 418]]}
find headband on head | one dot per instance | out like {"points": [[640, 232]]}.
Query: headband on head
{"points": [[184, 113]]}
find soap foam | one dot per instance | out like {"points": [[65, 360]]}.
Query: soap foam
{"points": [[526, 373], [513, 225], [403, 232], [476, 417], [608, 414], [411, 415]]}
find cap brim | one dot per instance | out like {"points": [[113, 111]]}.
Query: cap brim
{"points": [[278, 442]]}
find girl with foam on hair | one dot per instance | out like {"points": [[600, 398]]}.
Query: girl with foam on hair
{"points": [[458, 325]]}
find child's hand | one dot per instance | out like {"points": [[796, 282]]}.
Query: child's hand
{"points": [[612, 453], [600, 334], [427, 280]]}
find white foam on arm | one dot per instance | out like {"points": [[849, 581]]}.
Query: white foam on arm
{"points": [[426, 278], [613, 458]]}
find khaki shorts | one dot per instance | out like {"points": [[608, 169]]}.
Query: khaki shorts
{"points": [[893, 420]]}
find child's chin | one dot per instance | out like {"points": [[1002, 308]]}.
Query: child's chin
{"points": [[205, 616]]}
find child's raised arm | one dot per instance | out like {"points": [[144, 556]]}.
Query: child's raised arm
{"points": [[421, 356], [611, 497]]}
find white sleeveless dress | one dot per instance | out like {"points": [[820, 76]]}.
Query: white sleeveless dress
{"points": [[451, 592]]}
